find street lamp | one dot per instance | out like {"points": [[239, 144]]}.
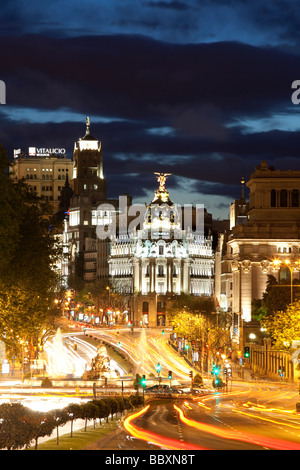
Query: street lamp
{"points": [[108, 288]]}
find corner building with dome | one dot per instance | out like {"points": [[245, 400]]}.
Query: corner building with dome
{"points": [[166, 255]]}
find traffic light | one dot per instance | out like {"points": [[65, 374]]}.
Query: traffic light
{"points": [[191, 374], [158, 368], [163, 332], [119, 344], [246, 351], [170, 375], [143, 381]]}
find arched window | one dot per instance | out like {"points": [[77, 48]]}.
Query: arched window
{"points": [[284, 274]]}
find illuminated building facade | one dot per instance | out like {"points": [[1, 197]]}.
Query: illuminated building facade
{"points": [[45, 173], [245, 256], [89, 191], [160, 260]]}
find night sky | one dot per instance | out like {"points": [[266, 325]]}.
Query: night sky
{"points": [[199, 89]]}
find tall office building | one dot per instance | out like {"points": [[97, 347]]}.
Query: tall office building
{"points": [[89, 191]]}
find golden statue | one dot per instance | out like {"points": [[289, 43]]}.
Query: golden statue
{"points": [[162, 178]]}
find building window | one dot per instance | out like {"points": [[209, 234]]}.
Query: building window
{"points": [[161, 307], [160, 250], [161, 288], [74, 218], [273, 198], [284, 274], [284, 249], [295, 198], [161, 270], [283, 198], [145, 308]]}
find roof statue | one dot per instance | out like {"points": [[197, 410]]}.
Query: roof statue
{"points": [[87, 125], [162, 178]]}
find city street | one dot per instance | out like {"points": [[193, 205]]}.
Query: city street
{"points": [[218, 422], [251, 415]]}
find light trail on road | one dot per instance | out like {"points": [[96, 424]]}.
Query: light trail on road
{"points": [[277, 444], [262, 418], [156, 439]]}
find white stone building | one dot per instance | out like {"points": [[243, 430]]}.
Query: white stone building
{"points": [[271, 231], [161, 259]]}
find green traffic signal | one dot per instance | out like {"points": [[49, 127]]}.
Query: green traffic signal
{"points": [[143, 381], [158, 368]]}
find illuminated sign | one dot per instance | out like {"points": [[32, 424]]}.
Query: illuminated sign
{"points": [[45, 152]]}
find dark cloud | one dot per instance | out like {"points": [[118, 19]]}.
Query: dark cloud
{"points": [[191, 108], [135, 77], [179, 6]]}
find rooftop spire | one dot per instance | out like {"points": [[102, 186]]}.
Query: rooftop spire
{"points": [[243, 188]]}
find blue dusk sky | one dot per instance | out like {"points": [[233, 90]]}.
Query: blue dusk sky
{"points": [[200, 89]]}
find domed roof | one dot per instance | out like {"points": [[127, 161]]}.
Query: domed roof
{"points": [[162, 198], [88, 135]]}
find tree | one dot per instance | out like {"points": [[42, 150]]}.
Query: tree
{"points": [[198, 380], [60, 418], [27, 258], [89, 411], [39, 424], [74, 412], [276, 297], [191, 304], [14, 431], [284, 326]]}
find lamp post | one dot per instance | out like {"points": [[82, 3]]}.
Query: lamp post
{"points": [[108, 288]]}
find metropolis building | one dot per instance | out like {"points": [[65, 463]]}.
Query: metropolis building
{"points": [[166, 251], [161, 259]]}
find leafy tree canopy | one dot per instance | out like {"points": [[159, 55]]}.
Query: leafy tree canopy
{"points": [[284, 326], [28, 253]]}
